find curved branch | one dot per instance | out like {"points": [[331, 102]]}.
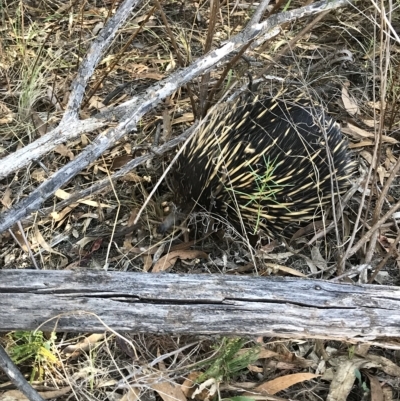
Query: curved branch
{"points": [[139, 105]]}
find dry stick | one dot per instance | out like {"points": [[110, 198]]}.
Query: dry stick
{"points": [[99, 185], [205, 79], [385, 259], [118, 57], [339, 211], [363, 195], [372, 166], [254, 19], [70, 129], [258, 14], [221, 79], [178, 55], [70, 126], [92, 58], [383, 90], [394, 84], [17, 378], [142, 104], [293, 41], [376, 226]]}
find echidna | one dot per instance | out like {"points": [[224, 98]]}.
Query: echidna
{"points": [[264, 164]]}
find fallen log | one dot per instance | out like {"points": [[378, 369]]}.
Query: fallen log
{"points": [[95, 301]]}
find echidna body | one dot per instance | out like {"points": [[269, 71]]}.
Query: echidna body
{"points": [[264, 164]]}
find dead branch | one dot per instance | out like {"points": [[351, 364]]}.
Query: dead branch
{"points": [[134, 110], [93, 301]]}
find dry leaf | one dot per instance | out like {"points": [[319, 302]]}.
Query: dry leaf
{"points": [[132, 177], [39, 175], [385, 364], [170, 259], [65, 195], [6, 199], [189, 385], [185, 118], [40, 125], [95, 103], [348, 101], [64, 151], [58, 216], [83, 346], [266, 353], [367, 156], [42, 242], [16, 395], [391, 157], [120, 161], [375, 386], [381, 173], [377, 105], [360, 144], [357, 132], [281, 383], [345, 376], [169, 391], [318, 259], [6, 116], [147, 262], [282, 268]]}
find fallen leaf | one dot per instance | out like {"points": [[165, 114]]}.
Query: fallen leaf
{"points": [[84, 346], [281, 383], [16, 395], [42, 242], [61, 194], [189, 385], [39, 175], [285, 269], [357, 132], [170, 259], [58, 216], [120, 161], [389, 367], [6, 199], [348, 101], [64, 151], [147, 262], [169, 391], [376, 389], [345, 376]]}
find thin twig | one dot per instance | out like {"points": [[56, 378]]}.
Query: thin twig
{"points": [[17, 378]]}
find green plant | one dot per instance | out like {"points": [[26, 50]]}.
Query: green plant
{"points": [[32, 345], [229, 361], [266, 189]]}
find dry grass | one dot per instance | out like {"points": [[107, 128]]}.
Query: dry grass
{"points": [[343, 60]]}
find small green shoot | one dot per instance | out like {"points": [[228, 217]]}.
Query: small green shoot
{"points": [[32, 345], [229, 362], [362, 383], [266, 189]]}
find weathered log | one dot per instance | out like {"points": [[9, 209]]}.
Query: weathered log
{"points": [[93, 301]]}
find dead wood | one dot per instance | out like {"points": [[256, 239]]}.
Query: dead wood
{"points": [[128, 113], [93, 301]]}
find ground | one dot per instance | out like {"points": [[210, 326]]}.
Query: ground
{"points": [[345, 59]]}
